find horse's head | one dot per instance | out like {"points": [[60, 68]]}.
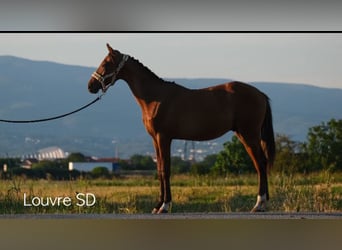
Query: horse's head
{"points": [[106, 74]]}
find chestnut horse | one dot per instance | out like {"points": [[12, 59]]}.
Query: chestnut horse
{"points": [[171, 111]]}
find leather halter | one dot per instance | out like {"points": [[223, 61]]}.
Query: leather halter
{"points": [[113, 75]]}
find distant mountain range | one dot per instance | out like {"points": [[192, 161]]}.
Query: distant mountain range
{"points": [[39, 89]]}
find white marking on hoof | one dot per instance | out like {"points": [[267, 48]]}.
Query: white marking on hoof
{"points": [[260, 205], [165, 208], [155, 211]]}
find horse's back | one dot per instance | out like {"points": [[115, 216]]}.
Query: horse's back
{"points": [[241, 95], [237, 88]]}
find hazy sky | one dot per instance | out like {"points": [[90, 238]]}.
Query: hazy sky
{"points": [[314, 59]]}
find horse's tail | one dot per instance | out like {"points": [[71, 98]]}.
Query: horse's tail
{"points": [[267, 136]]}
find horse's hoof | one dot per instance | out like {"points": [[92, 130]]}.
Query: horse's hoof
{"points": [[258, 210], [159, 211], [162, 211], [155, 210], [260, 205]]}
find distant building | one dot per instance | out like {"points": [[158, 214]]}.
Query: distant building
{"points": [[51, 153]]}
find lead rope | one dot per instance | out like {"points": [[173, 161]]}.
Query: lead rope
{"points": [[55, 117]]}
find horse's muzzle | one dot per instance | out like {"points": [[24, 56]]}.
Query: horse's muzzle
{"points": [[92, 88]]}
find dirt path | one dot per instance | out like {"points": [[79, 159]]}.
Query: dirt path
{"points": [[180, 216]]}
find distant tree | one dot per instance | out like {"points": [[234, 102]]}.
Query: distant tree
{"points": [[289, 155], [204, 167], [142, 162], [26, 173], [232, 159], [324, 146], [179, 166], [125, 164], [56, 169], [45, 164], [10, 162], [100, 172], [76, 157]]}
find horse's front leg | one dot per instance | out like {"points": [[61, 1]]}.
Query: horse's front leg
{"points": [[162, 148], [161, 193], [160, 178]]}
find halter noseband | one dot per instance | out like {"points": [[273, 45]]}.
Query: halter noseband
{"points": [[113, 75]]}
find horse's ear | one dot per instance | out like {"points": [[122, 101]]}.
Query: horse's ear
{"points": [[110, 49]]}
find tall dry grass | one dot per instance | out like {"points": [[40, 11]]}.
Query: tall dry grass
{"points": [[138, 194]]}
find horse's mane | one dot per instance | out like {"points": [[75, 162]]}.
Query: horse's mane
{"points": [[149, 71]]}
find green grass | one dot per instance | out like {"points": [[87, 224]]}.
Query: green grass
{"points": [[321, 192]]}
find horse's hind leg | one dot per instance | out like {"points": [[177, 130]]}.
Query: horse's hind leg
{"points": [[253, 148]]}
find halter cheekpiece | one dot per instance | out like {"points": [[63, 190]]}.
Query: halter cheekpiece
{"points": [[113, 75]]}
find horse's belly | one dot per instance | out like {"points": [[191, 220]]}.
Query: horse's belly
{"points": [[196, 118], [202, 129]]}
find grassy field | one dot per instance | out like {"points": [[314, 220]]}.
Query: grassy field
{"points": [[321, 192]]}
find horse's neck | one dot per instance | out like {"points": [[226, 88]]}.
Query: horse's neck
{"points": [[143, 83]]}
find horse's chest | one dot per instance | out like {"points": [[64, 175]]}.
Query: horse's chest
{"points": [[149, 116], [148, 122]]}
